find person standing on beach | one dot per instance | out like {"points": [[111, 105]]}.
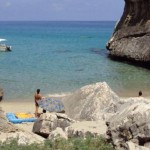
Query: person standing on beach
{"points": [[1, 94], [140, 93], [37, 97]]}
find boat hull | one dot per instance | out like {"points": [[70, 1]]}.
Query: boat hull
{"points": [[4, 48]]}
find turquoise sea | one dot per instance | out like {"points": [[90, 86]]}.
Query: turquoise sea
{"points": [[60, 57]]}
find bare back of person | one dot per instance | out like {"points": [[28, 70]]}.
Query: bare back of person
{"points": [[37, 97]]}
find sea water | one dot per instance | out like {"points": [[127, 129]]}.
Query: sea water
{"points": [[60, 57]]}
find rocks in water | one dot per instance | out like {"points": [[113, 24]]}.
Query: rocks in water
{"points": [[130, 39], [91, 102], [130, 126]]}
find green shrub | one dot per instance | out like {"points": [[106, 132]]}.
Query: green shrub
{"points": [[61, 144]]}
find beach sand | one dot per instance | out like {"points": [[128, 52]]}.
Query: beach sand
{"points": [[24, 107], [20, 107], [16, 107]]}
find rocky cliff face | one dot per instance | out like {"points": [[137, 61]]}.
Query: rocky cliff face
{"points": [[131, 37]]}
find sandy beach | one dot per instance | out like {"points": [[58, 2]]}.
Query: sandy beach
{"points": [[20, 107], [26, 107], [16, 107]]}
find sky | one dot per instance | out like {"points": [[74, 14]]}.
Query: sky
{"points": [[61, 10]]}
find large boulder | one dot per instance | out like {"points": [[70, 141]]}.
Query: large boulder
{"points": [[130, 125], [22, 137], [131, 37], [91, 102], [48, 122], [57, 133]]}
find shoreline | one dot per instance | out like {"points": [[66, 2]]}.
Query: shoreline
{"points": [[27, 106], [125, 94]]}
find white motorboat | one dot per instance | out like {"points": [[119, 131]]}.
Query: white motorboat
{"points": [[4, 47]]}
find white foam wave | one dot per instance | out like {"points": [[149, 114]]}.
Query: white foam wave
{"points": [[58, 95]]}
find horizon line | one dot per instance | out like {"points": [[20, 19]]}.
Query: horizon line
{"points": [[59, 20]]}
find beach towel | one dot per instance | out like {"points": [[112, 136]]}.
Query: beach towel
{"points": [[51, 105], [20, 117]]}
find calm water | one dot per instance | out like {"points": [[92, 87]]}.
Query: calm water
{"points": [[60, 57]]}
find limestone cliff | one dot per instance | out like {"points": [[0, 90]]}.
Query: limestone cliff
{"points": [[131, 37]]}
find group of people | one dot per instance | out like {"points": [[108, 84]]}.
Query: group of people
{"points": [[37, 97]]}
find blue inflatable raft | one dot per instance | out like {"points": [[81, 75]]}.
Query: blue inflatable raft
{"points": [[12, 118]]}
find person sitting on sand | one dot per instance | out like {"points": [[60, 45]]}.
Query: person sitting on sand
{"points": [[37, 97]]}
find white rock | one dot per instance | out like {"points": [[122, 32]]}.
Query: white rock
{"points": [[48, 122], [133, 146], [58, 133], [22, 138], [91, 102]]}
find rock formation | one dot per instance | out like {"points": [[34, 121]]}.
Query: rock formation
{"points": [[131, 38], [57, 133], [48, 122], [54, 125], [129, 128], [91, 102], [96, 105]]}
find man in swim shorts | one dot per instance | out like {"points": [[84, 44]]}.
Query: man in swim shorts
{"points": [[37, 97]]}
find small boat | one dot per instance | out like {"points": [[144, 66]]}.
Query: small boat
{"points": [[4, 47]]}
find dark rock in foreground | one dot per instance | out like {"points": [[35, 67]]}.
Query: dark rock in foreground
{"points": [[131, 38]]}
